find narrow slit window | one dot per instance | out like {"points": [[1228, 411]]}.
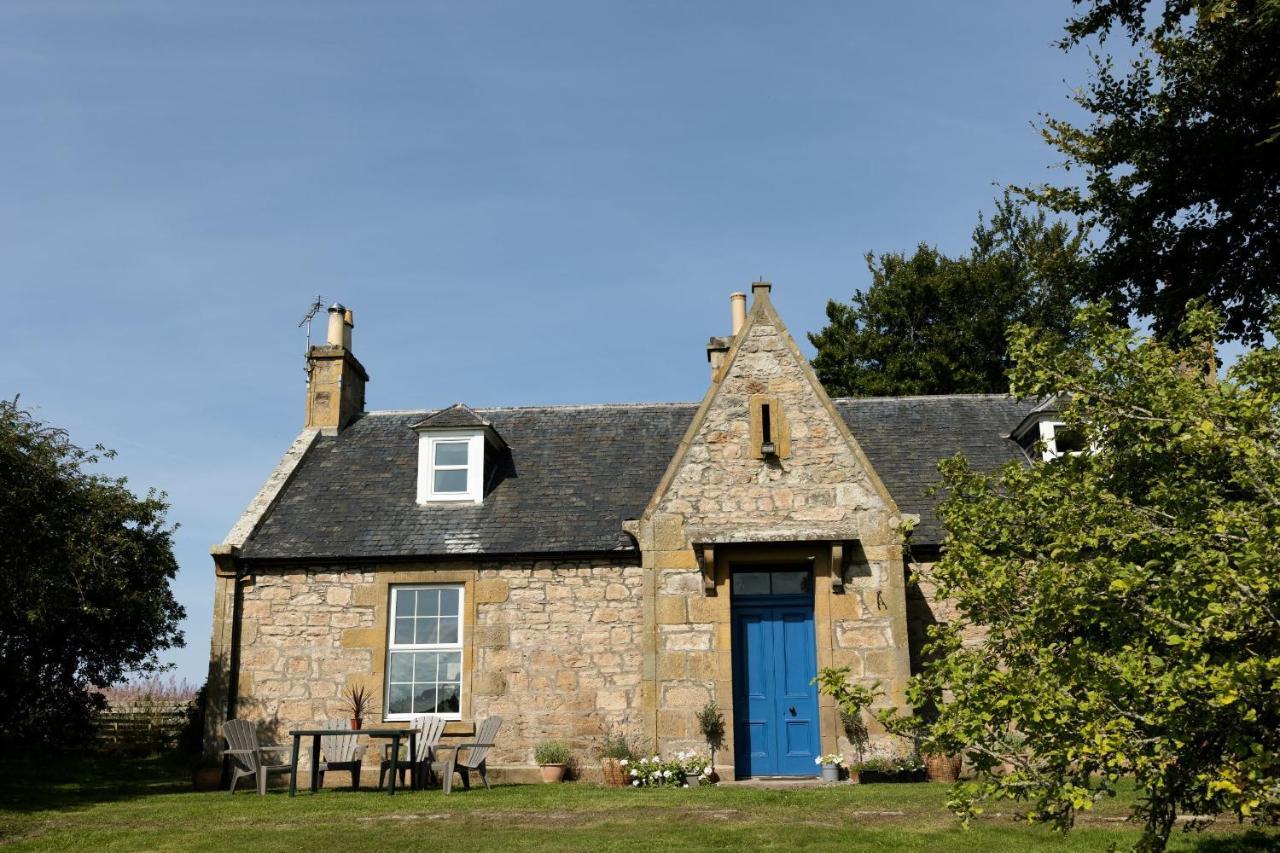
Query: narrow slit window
{"points": [[766, 424]]}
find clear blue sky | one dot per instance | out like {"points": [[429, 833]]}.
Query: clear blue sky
{"points": [[524, 203]]}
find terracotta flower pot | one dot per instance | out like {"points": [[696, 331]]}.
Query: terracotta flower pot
{"points": [[552, 772], [355, 723], [615, 775], [943, 768], [854, 777]]}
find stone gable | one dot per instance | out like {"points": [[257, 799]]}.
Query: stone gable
{"points": [[822, 489]]}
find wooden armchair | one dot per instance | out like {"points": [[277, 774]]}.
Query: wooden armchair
{"points": [[464, 757], [342, 752], [248, 758], [429, 728]]}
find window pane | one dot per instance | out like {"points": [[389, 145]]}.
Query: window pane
{"points": [[448, 630], [402, 666], [1067, 440], [451, 481], [448, 699], [448, 602], [424, 699], [751, 583], [424, 666], [428, 631], [404, 602], [428, 602], [400, 699], [404, 632], [790, 583], [451, 666], [451, 453]]}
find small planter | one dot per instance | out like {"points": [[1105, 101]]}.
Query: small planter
{"points": [[854, 778], [552, 772], [876, 776], [831, 773], [355, 723], [615, 775], [943, 768]]}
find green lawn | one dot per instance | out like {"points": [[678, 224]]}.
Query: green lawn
{"points": [[147, 805]]}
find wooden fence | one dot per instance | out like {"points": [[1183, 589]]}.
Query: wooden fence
{"points": [[141, 726]]}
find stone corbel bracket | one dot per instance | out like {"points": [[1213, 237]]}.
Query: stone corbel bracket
{"points": [[706, 554], [837, 567]]}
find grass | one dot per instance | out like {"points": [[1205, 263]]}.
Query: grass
{"points": [[131, 805]]}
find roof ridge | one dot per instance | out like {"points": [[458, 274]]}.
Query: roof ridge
{"points": [[561, 406], [924, 397]]}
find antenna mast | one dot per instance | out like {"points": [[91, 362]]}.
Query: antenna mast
{"points": [[306, 321]]}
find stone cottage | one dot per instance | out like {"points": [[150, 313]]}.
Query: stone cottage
{"points": [[581, 570]]}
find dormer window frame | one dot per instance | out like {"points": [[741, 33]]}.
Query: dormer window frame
{"points": [[428, 442]]}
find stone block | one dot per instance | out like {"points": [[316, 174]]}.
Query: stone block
{"points": [[491, 636], [859, 635], [673, 723], [338, 596], [671, 610], [681, 559], [491, 591], [668, 532], [708, 610], [488, 684], [670, 665]]}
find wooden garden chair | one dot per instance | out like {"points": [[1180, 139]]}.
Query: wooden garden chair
{"points": [[342, 752], [465, 757], [248, 758], [430, 728]]}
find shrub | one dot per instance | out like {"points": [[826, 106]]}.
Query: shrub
{"points": [[551, 752]]}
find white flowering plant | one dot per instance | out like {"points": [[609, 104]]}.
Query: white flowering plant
{"points": [[830, 760], [683, 770]]}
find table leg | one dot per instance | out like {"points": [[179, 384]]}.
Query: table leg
{"points": [[395, 757], [293, 775], [413, 760], [315, 763]]}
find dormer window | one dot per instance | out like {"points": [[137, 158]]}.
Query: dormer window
{"points": [[452, 467], [1042, 434], [452, 444]]}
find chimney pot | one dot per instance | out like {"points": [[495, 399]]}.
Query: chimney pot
{"points": [[336, 332], [738, 310], [348, 323]]}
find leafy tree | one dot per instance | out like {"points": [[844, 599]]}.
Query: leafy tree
{"points": [[1129, 595], [1180, 159], [86, 567], [929, 324]]}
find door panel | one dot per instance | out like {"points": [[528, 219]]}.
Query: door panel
{"points": [[775, 706]]}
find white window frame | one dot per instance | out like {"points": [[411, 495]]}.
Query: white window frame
{"points": [[427, 442], [1048, 434], [393, 646]]}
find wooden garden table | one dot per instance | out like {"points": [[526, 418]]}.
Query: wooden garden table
{"points": [[393, 735]]}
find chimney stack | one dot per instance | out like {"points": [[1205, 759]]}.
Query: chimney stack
{"points": [[738, 311], [335, 378]]}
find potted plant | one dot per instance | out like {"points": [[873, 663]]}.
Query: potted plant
{"points": [[552, 757], [359, 703], [830, 765], [711, 721], [616, 756], [851, 700]]}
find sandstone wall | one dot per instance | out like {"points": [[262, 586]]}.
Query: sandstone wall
{"points": [[552, 647]]}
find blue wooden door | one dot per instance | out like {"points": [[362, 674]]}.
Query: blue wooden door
{"points": [[775, 705]]}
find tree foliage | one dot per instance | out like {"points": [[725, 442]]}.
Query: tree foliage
{"points": [[1180, 160], [86, 566], [929, 324], [1129, 596]]}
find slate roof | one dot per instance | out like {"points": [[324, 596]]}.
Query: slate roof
{"points": [[457, 415], [574, 473], [906, 437]]}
